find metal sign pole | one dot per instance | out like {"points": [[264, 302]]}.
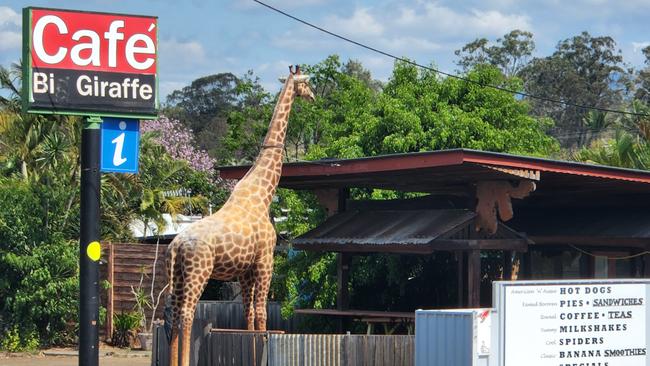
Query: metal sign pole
{"points": [[89, 247]]}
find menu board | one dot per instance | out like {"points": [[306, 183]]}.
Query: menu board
{"points": [[575, 324]]}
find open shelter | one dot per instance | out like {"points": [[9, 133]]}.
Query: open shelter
{"points": [[573, 220]]}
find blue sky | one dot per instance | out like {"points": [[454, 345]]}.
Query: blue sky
{"points": [[202, 37]]}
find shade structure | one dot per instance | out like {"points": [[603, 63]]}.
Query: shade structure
{"points": [[406, 231]]}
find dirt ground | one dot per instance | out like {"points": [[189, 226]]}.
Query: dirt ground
{"points": [[72, 361]]}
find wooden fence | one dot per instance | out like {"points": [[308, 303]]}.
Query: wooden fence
{"points": [[124, 266]]}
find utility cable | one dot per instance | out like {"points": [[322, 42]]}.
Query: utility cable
{"points": [[405, 60], [608, 257]]}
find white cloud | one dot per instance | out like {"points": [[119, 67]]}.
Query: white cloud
{"points": [[496, 23], [181, 53], [638, 46], [9, 17], [449, 22], [10, 40], [304, 41], [361, 23], [398, 44], [281, 4], [10, 34]]}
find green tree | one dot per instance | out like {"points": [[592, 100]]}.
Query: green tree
{"points": [[584, 70], [510, 53], [206, 104], [623, 150], [418, 111], [38, 270], [643, 80]]}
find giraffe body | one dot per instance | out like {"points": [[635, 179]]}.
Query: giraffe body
{"points": [[237, 241]]}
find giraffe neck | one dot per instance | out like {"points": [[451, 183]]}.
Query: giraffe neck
{"points": [[262, 179], [279, 121]]}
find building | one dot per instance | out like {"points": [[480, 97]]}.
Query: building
{"points": [[547, 219]]}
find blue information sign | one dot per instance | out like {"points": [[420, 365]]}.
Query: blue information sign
{"points": [[120, 145]]}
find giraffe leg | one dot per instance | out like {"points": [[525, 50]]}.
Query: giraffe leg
{"points": [[176, 318], [247, 284], [176, 302], [196, 269], [187, 319], [262, 274]]}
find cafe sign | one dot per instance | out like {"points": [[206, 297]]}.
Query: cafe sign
{"points": [[573, 323], [89, 63]]}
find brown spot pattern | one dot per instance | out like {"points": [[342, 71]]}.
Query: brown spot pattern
{"points": [[236, 242]]}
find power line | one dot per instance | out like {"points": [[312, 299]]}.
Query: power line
{"points": [[608, 257], [387, 54]]}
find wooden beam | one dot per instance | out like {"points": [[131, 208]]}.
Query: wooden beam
{"points": [[595, 241], [343, 195], [474, 279], [342, 281], [109, 298], [519, 245], [494, 197], [460, 264], [507, 265], [328, 198], [526, 266]]}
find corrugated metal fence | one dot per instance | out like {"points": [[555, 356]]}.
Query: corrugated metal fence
{"points": [[213, 349], [227, 349], [340, 350], [230, 315]]}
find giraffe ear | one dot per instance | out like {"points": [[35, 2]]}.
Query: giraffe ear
{"points": [[282, 79]]}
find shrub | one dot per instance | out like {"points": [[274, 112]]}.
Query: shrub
{"points": [[38, 273], [125, 325], [15, 340]]}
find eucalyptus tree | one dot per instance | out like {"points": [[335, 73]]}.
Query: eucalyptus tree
{"points": [[510, 53]]}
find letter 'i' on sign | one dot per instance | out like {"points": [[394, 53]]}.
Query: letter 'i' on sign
{"points": [[120, 145]]}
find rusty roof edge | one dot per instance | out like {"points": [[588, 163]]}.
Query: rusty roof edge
{"points": [[453, 157], [555, 166]]}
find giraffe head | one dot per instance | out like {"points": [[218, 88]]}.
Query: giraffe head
{"points": [[300, 83]]}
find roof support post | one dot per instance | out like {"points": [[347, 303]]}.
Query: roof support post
{"points": [[507, 265], [342, 281], [343, 276], [342, 264], [474, 279], [460, 265]]}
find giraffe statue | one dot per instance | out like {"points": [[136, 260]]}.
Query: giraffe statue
{"points": [[237, 241]]}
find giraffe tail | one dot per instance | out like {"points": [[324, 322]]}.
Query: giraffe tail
{"points": [[171, 256], [167, 314]]}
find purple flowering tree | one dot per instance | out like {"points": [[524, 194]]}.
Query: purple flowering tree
{"points": [[179, 143]]}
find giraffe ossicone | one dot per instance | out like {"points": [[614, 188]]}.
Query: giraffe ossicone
{"points": [[237, 241]]}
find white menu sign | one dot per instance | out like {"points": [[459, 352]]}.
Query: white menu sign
{"points": [[575, 324]]}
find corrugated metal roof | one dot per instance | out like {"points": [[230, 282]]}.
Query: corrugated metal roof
{"points": [[403, 227], [404, 231]]}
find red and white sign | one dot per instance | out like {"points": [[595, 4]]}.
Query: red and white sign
{"points": [[84, 61]]}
